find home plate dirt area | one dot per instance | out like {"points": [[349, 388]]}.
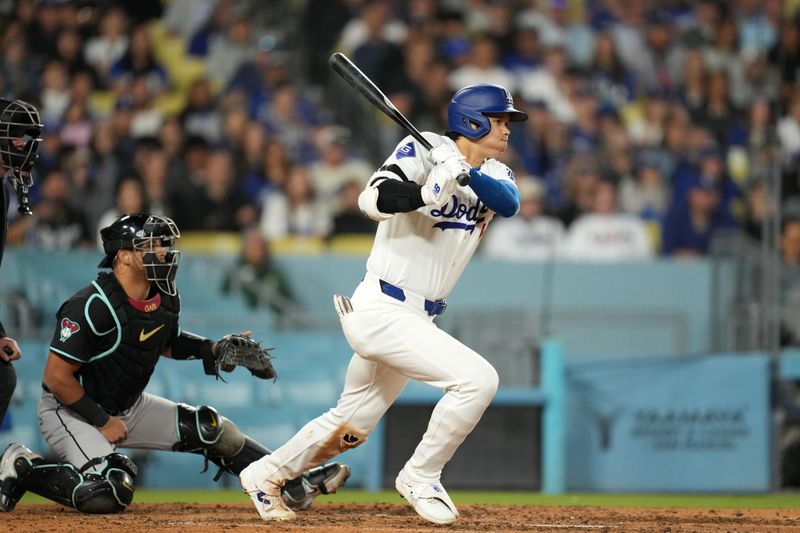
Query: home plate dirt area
{"points": [[362, 518]]}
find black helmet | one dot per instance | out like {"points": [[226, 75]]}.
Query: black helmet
{"points": [[138, 231], [20, 137]]}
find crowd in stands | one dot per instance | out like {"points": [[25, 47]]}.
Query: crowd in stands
{"points": [[652, 124]]}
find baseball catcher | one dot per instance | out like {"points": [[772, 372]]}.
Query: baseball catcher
{"points": [[108, 339]]}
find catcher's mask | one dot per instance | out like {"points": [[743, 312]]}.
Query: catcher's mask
{"points": [[154, 236], [20, 137]]}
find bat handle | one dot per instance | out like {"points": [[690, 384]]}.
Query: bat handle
{"points": [[463, 179]]}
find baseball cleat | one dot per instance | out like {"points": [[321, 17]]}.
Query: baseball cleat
{"points": [[10, 492], [299, 493], [266, 497], [429, 500]]}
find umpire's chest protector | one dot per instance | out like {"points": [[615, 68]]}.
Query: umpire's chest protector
{"points": [[116, 380]]}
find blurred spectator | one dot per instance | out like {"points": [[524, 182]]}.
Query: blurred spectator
{"points": [[185, 17], [55, 92], [692, 221], [259, 280], [19, 66], [55, 224], [377, 56], [138, 61], [525, 56], [201, 114], [249, 155], [76, 126], [547, 84], [790, 242], [146, 117], [582, 179], [710, 170], [374, 16], [529, 236], [88, 192], [482, 67], [106, 49], [154, 181], [785, 55], [221, 206], [214, 27], [557, 25], [646, 195], [610, 81], [348, 218], [69, 49], [231, 50], [290, 118], [273, 174], [128, 198], [605, 234], [756, 208], [650, 51], [789, 128], [335, 168], [294, 212]]}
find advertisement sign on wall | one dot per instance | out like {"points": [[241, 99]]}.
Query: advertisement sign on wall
{"points": [[676, 424]]}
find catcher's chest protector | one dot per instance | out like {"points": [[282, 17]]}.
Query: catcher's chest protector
{"points": [[116, 380]]}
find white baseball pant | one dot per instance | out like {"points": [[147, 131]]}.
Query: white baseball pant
{"points": [[393, 341]]}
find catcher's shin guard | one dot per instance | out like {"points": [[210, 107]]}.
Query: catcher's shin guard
{"points": [[110, 491], [202, 430]]}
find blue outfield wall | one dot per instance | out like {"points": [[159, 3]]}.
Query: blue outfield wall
{"points": [[620, 327]]}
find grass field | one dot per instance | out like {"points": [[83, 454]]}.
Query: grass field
{"points": [[718, 501]]}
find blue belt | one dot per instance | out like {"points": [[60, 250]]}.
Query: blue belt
{"points": [[433, 308]]}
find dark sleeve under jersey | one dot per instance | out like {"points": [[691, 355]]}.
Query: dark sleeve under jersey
{"points": [[86, 329]]}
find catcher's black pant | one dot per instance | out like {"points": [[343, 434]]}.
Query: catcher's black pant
{"points": [[8, 382]]}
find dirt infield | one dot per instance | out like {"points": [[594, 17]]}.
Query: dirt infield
{"points": [[206, 518]]}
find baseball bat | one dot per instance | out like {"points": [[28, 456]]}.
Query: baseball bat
{"points": [[358, 80]]}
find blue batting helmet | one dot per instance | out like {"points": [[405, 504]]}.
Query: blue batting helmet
{"points": [[470, 105]]}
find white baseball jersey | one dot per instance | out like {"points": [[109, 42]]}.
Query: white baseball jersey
{"points": [[425, 251], [393, 333]]}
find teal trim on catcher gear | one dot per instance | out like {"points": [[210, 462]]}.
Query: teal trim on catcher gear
{"points": [[110, 491]]}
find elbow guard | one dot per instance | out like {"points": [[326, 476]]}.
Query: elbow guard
{"points": [[368, 203]]}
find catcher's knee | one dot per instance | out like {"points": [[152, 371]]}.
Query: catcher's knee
{"points": [[204, 431], [110, 491]]}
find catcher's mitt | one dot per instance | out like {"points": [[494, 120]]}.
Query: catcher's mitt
{"points": [[236, 349]]}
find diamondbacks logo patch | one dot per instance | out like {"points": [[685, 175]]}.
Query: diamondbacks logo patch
{"points": [[406, 150], [68, 327]]}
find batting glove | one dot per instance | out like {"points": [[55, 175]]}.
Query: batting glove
{"points": [[440, 186], [442, 153]]}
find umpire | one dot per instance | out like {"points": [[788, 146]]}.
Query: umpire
{"points": [[108, 339], [20, 137]]}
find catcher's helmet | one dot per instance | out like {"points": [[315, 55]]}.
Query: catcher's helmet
{"points": [[145, 233], [470, 105], [20, 137]]}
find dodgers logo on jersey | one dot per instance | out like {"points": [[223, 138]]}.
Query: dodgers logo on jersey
{"points": [[453, 209], [406, 150]]}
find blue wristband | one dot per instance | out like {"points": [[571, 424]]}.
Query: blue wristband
{"points": [[500, 196]]}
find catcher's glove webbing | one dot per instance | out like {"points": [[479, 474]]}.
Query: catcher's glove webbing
{"points": [[240, 350]]}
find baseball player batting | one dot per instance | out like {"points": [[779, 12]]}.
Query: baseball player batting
{"points": [[429, 228]]}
